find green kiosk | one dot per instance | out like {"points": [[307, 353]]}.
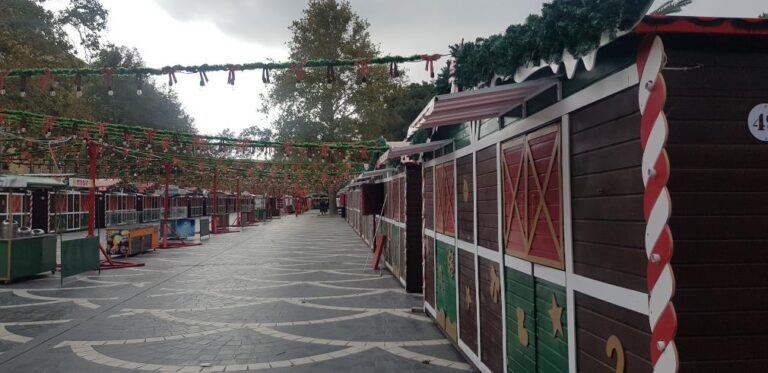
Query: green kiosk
{"points": [[22, 252]]}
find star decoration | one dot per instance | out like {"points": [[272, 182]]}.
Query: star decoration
{"points": [[556, 314], [451, 264], [468, 297], [495, 287]]}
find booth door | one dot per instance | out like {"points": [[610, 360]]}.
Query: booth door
{"points": [[445, 288]]}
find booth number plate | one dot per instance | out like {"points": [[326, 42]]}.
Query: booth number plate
{"points": [[758, 122]]}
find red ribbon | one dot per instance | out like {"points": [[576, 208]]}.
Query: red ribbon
{"points": [[231, 75], [171, 75], [102, 128], [108, 73], [299, 70], [48, 124], [45, 80], [165, 143], [430, 63], [149, 134], [362, 65]]}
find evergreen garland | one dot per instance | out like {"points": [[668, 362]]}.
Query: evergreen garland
{"points": [[575, 26]]}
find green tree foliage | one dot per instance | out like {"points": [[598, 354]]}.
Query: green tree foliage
{"points": [[763, 16], [671, 7], [344, 109], [31, 36]]}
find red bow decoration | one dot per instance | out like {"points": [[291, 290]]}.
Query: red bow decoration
{"points": [[48, 125], [102, 128], [197, 141], [364, 152], [127, 137], [231, 75], [325, 150], [288, 148], [171, 75], [430, 63], [362, 65], [200, 166], [166, 142], [108, 73], [298, 69], [46, 79], [149, 134], [175, 161]]}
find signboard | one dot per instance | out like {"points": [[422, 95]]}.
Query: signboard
{"points": [[79, 183], [758, 122]]}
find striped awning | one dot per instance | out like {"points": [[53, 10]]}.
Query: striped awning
{"points": [[417, 148], [478, 104]]}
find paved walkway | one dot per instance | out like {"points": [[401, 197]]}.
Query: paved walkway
{"points": [[290, 295]]}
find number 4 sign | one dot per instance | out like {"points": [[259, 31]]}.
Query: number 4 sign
{"points": [[758, 122]]}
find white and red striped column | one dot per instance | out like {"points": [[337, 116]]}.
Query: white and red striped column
{"points": [[657, 205]]}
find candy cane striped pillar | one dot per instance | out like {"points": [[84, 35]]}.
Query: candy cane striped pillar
{"points": [[656, 205]]}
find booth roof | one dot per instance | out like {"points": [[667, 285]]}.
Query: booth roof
{"points": [[417, 148], [702, 25], [14, 181], [485, 103]]}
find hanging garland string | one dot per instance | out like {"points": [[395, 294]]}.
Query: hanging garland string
{"points": [[170, 71], [128, 132], [564, 25]]}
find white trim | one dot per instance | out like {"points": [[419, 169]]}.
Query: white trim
{"points": [[472, 357], [552, 275], [429, 233], [392, 221], [455, 247], [518, 264], [466, 246], [570, 299], [500, 250], [392, 177], [630, 299], [601, 89], [430, 311], [491, 255], [474, 236], [445, 239]]}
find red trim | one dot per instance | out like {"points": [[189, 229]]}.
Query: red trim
{"points": [[702, 25]]}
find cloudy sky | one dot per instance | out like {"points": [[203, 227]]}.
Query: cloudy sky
{"points": [[169, 32]]}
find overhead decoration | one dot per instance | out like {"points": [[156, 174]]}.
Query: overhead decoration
{"points": [[107, 73], [565, 28]]}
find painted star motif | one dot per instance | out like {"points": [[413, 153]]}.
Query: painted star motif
{"points": [[556, 313], [468, 297]]}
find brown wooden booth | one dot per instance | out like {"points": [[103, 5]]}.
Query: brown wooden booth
{"points": [[549, 220]]}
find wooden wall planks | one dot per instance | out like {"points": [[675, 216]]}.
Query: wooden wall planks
{"points": [[429, 271], [607, 192], [719, 190], [491, 339], [487, 206], [429, 198], [467, 302], [465, 209]]}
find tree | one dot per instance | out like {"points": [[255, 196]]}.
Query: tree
{"points": [[671, 7], [344, 109], [763, 16]]}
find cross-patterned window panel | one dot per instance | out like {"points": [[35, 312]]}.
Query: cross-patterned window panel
{"points": [[532, 182], [444, 199]]}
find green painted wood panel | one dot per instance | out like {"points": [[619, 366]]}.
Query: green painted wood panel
{"points": [[552, 351], [445, 288], [78, 256], [545, 352], [520, 294]]}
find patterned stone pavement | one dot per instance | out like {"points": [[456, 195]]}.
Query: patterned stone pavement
{"points": [[294, 294]]}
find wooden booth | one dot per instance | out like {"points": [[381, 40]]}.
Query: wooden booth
{"points": [[550, 218]]}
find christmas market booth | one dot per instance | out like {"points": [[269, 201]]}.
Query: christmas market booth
{"points": [[24, 251], [551, 215]]}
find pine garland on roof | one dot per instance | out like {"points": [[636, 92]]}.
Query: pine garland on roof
{"points": [[575, 26]]}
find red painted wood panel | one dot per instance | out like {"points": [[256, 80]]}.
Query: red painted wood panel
{"points": [[533, 197]]}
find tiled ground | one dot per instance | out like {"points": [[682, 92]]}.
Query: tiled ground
{"points": [[294, 294]]}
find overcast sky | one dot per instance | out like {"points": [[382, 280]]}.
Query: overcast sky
{"points": [[186, 32]]}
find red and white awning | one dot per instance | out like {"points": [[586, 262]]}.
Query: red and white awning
{"points": [[478, 104], [417, 148]]}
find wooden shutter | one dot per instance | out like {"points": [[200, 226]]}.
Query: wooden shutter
{"points": [[533, 197]]}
